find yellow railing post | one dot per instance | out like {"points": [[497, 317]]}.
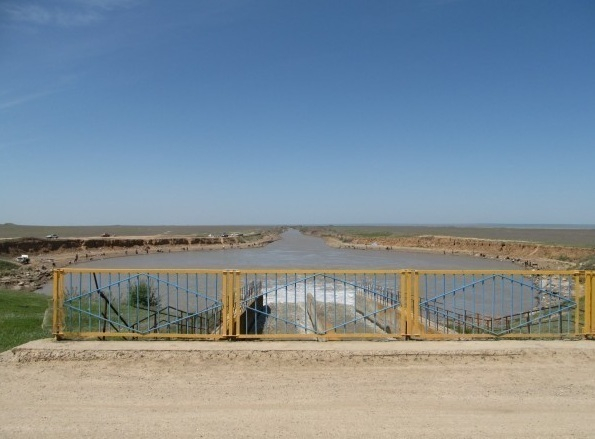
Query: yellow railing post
{"points": [[406, 319], [577, 311], [415, 315], [227, 311], [237, 299], [589, 328], [403, 312], [58, 305], [231, 302]]}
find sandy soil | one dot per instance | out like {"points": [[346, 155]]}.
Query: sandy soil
{"points": [[298, 389], [65, 258], [526, 255]]}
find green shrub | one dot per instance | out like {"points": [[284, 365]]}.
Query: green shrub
{"points": [[143, 294]]}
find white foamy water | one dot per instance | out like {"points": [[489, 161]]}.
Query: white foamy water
{"points": [[321, 290]]}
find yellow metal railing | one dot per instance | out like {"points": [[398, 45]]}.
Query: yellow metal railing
{"points": [[322, 304], [589, 326], [564, 303]]}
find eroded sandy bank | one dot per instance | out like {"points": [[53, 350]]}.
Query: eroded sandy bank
{"points": [[47, 255]]}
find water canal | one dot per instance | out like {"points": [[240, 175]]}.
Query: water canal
{"points": [[295, 250], [288, 302]]}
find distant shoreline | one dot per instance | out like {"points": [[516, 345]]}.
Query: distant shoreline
{"points": [[10, 230], [568, 237], [527, 253], [561, 234], [49, 254]]}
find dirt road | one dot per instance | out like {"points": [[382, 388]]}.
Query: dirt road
{"points": [[298, 389]]}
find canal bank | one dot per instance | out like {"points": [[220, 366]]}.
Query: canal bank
{"points": [[290, 249]]}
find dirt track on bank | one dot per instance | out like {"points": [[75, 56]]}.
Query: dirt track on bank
{"points": [[299, 389]]}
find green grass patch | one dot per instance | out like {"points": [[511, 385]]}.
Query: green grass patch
{"points": [[21, 317], [6, 266]]}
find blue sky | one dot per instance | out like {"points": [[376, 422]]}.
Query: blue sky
{"points": [[297, 112]]}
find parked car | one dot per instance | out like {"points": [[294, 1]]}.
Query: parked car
{"points": [[23, 259], [51, 236]]}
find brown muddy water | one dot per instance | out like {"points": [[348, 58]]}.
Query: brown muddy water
{"points": [[295, 250]]}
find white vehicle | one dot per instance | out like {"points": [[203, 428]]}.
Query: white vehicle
{"points": [[23, 259], [51, 236]]}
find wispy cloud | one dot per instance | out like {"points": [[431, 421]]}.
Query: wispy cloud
{"points": [[107, 5], [69, 13], [23, 99], [35, 14]]}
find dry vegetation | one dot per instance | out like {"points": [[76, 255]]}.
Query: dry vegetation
{"points": [[571, 237]]}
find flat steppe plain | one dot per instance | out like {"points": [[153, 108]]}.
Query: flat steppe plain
{"points": [[298, 389], [569, 236], [22, 231]]}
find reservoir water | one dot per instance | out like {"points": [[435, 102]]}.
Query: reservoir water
{"points": [[295, 250]]}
